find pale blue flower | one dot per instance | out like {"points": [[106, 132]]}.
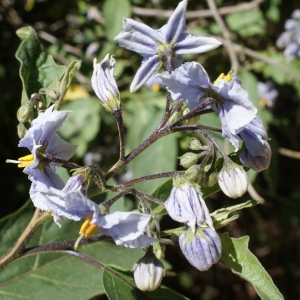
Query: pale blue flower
{"points": [[185, 205], [191, 82], [42, 138], [155, 45], [69, 202], [257, 154], [202, 251], [104, 83], [126, 228]]}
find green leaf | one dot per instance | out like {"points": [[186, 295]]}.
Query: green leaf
{"points": [[247, 23], [220, 216], [114, 11], [117, 287], [38, 70], [237, 257], [83, 124], [55, 275]]}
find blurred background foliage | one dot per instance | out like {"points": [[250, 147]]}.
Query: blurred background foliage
{"points": [[85, 30]]}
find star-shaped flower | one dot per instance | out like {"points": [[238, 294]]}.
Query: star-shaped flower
{"points": [[42, 138], [191, 82], [155, 45]]}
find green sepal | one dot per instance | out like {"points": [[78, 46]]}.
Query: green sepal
{"points": [[220, 216]]}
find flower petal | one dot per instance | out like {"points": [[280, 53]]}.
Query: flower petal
{"points": [[189, 44], [126, 228], [137, 37], [148, 68], [176, 24], [186, 82]]}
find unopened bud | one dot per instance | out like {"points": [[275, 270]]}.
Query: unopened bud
{"points": [[212, 175], [188, 159], [104, 83], [192, 173], [195, 144], [21, 129], [24, 113], [148, 273], [202, 250], [233, 181]]}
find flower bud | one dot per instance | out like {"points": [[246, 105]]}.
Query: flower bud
{"points": [[188, 159], [212, 176], [148, 273], [192, 173], [233, 181], [24, 113], [21, 128], [185, 205], [257, 163], [202, 250], [195, 144], [104, 83]]}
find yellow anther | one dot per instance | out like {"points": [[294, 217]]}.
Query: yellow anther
{"points": [[227, 77], [155, 87], [87, 228], [25, 161], [262, 102], [221, 76]]}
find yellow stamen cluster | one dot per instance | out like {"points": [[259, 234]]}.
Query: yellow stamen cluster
{"points": [[87, 228], [25, 161], [262, 102], [227, 78], [155, 87]]}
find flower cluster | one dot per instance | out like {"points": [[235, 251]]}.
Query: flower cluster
{"points": [[49, 193], [225, 96], [290, 39]]}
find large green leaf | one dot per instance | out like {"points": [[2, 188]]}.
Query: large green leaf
{"points": [[83, 124], [237, 257], [56, 275], [114, 11], [38, 70]]}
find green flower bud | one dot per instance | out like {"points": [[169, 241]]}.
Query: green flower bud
{"points": [[188, 159], [21, 129], [192, 173], [195, 144], [24, 113]]}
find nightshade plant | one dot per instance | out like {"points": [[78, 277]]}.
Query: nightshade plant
{"points": [[190, 93]]}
